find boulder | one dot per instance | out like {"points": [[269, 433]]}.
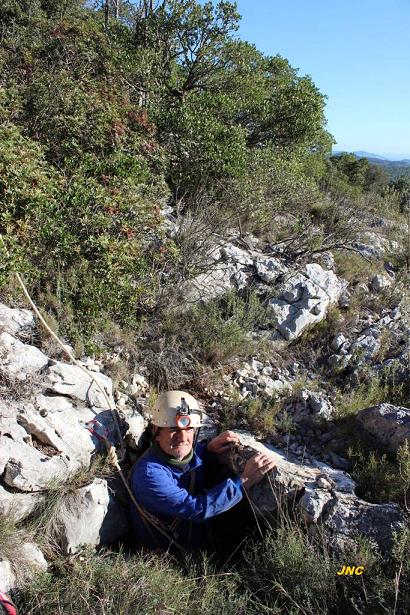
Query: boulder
{"points": [[312, 503], [387, 424], [366, 346], [323, 495], [346, 517], [70, 380], [304, 300], [18, 360], [89, 517], [235, 255], [268, 268], [30, 561], [33, 557], [16, 322], [18, 505], [136, 426], [65, 431], [28, 469], [339, 342], [210, 285], [51, 436]]}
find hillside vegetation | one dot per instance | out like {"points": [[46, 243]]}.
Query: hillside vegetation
{"points": [[103, 122], [132, 145]]}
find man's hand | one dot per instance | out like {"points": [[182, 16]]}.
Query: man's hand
{"points": [[255, 469], [223, 442]]}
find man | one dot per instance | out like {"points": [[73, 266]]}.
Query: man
{"points": [[169, 481]]}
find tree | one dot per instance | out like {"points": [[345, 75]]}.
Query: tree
{"points": [[188, 39]]}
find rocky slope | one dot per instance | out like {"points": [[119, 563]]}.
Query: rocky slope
{"points": [[51, 413]]}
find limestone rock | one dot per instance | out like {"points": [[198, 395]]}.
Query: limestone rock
{"points": [[339, 342], [17, 322], [28, 469], [18, 505], [70, 380], [347, 517], [20, 360], [366, 345], [66, 431], [389, 425], [323, 495], [82, 517], [33, 557], [374, 246], [53, 403], [308, 405], [268, 268], [236, 255], [136, 427], [290, 477], [209, 285], [7, 576], [304, 300], [313, 502]]}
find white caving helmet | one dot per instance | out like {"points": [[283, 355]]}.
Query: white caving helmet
{"points": [[177, 409]]}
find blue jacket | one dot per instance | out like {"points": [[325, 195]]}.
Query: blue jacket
{"points": [[163, 490]]}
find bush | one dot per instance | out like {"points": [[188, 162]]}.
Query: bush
{"points": [[380, 478], [292, 574]]}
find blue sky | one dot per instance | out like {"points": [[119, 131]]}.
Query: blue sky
{"points": [[357, 53]]}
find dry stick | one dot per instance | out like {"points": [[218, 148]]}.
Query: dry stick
{"points": [[397, 585]]}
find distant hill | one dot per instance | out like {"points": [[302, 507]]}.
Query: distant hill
{"points": [[395, 168]]}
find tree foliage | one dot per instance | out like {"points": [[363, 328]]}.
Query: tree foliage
{"points": [[106, 120]]}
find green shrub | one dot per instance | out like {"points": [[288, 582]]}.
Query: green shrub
{"points": [[219, 329], [374, 389], [381, 478], [293, 573]]}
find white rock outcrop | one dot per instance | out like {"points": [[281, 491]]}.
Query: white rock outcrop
{"points": [[81, 518], [387, 424], [70, 380], [7, 576], [304, 300], [323, 495], [18, 360], [232, 268], [18, 505], [16, 321]]}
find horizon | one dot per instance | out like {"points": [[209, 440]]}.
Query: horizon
{"points": [[385, 156]]}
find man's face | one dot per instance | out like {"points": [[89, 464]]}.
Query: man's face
{"points": [[176, 442]]}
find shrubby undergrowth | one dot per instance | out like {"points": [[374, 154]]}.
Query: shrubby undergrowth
{"points": [[103, 122], [284, 572]]}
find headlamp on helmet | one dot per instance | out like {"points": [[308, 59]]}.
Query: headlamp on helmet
{"points": [[182, 416]]}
